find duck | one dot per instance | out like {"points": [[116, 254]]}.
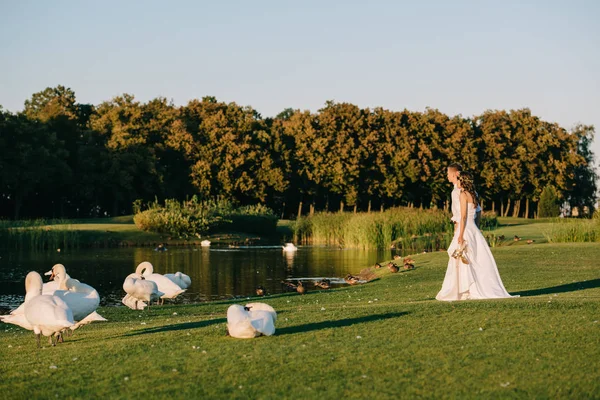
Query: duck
{"points": [[260, 291], [180, 279], [323, 283], [516, 238], [289, 247], [377, 266], [205, 243], [393, 267], [351, 279], [251, 320], [161, 247], [300, 288], [501, 237], [48, 315], [169, 289], [409, 263], [140, 292], [289, 286], [397, 256], [529, 241]]}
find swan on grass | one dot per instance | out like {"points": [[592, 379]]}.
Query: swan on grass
{"points": [[182, 280], [169, 288], [250, 321], [48, 315], [140, 292], [82, 299]]}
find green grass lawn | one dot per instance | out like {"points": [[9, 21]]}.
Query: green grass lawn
{"points": [[386, 339]]}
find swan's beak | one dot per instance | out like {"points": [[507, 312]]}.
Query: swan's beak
{"points": [[48, 273]]}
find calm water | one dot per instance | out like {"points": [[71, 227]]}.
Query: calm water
{"points": [[216, 273]]}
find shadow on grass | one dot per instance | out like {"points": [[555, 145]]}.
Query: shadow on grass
{"points": [[178, 327], [315, 326], [569, 287]]}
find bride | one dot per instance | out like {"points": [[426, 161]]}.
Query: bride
{"points": [[472, 271]]}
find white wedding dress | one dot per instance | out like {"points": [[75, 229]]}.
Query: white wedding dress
{"points": [[479, 278]]}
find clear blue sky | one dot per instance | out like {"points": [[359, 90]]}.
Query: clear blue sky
{"points": [[461, 57]]}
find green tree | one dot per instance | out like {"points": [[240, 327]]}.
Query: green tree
{"points": [[549, 203]]}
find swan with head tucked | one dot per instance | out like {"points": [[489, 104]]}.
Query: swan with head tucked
{"points": [[140, 292], [169, 288], [182, 280], [250, 321], [47, 314]]}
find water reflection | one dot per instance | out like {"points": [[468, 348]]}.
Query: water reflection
{"points": [[217, 273]]}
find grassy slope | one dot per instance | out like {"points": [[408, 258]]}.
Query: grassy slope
{"points": [[544, 344]]}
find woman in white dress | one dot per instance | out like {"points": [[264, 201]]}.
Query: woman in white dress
{"points": [[472, 272]]}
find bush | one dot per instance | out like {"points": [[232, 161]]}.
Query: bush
{"points": [[195, 218], [549, 204]]}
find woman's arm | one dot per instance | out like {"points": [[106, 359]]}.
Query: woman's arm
{"points": [[463, 217]]}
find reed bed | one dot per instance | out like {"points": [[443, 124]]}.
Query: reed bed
{"points": [[573, 231], [38, 234], [398, 227]]}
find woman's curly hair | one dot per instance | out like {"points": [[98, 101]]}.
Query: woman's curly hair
{"points": [[466, 182]]}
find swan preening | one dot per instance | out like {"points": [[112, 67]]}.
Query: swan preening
{"points": [[140, 292], [48, 306], [251, 320], [169, 289], [181, 279], [144, 286]]}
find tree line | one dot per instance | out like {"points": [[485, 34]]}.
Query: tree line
{"points": [[60, 158]]}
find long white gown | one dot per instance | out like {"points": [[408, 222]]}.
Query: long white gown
{"points": [[479, 278]]}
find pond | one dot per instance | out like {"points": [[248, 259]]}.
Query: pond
{"points": [[216, 273]]}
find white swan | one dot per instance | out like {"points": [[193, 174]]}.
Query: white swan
{"points": [[181, 279], [48, 288], [289, 247], [17, 318], [169, 288], [139, 290], [82, 299], [48, 315], [255, 319], [205, 243]]}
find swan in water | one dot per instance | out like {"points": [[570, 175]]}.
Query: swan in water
{"points": [[205, 243], [289, 247], [252, 320], [48, 315], [169, 289], [140, 292], [181, 279]]}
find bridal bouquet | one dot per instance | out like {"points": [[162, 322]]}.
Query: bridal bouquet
{"points": [[461, 252]]}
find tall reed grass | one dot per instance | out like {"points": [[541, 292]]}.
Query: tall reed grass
{"points": [[38, 234], [397, 227], [400, 228], [573, 231]]}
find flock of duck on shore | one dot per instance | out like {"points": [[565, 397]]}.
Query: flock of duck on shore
{"points": [[62, 305]]}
